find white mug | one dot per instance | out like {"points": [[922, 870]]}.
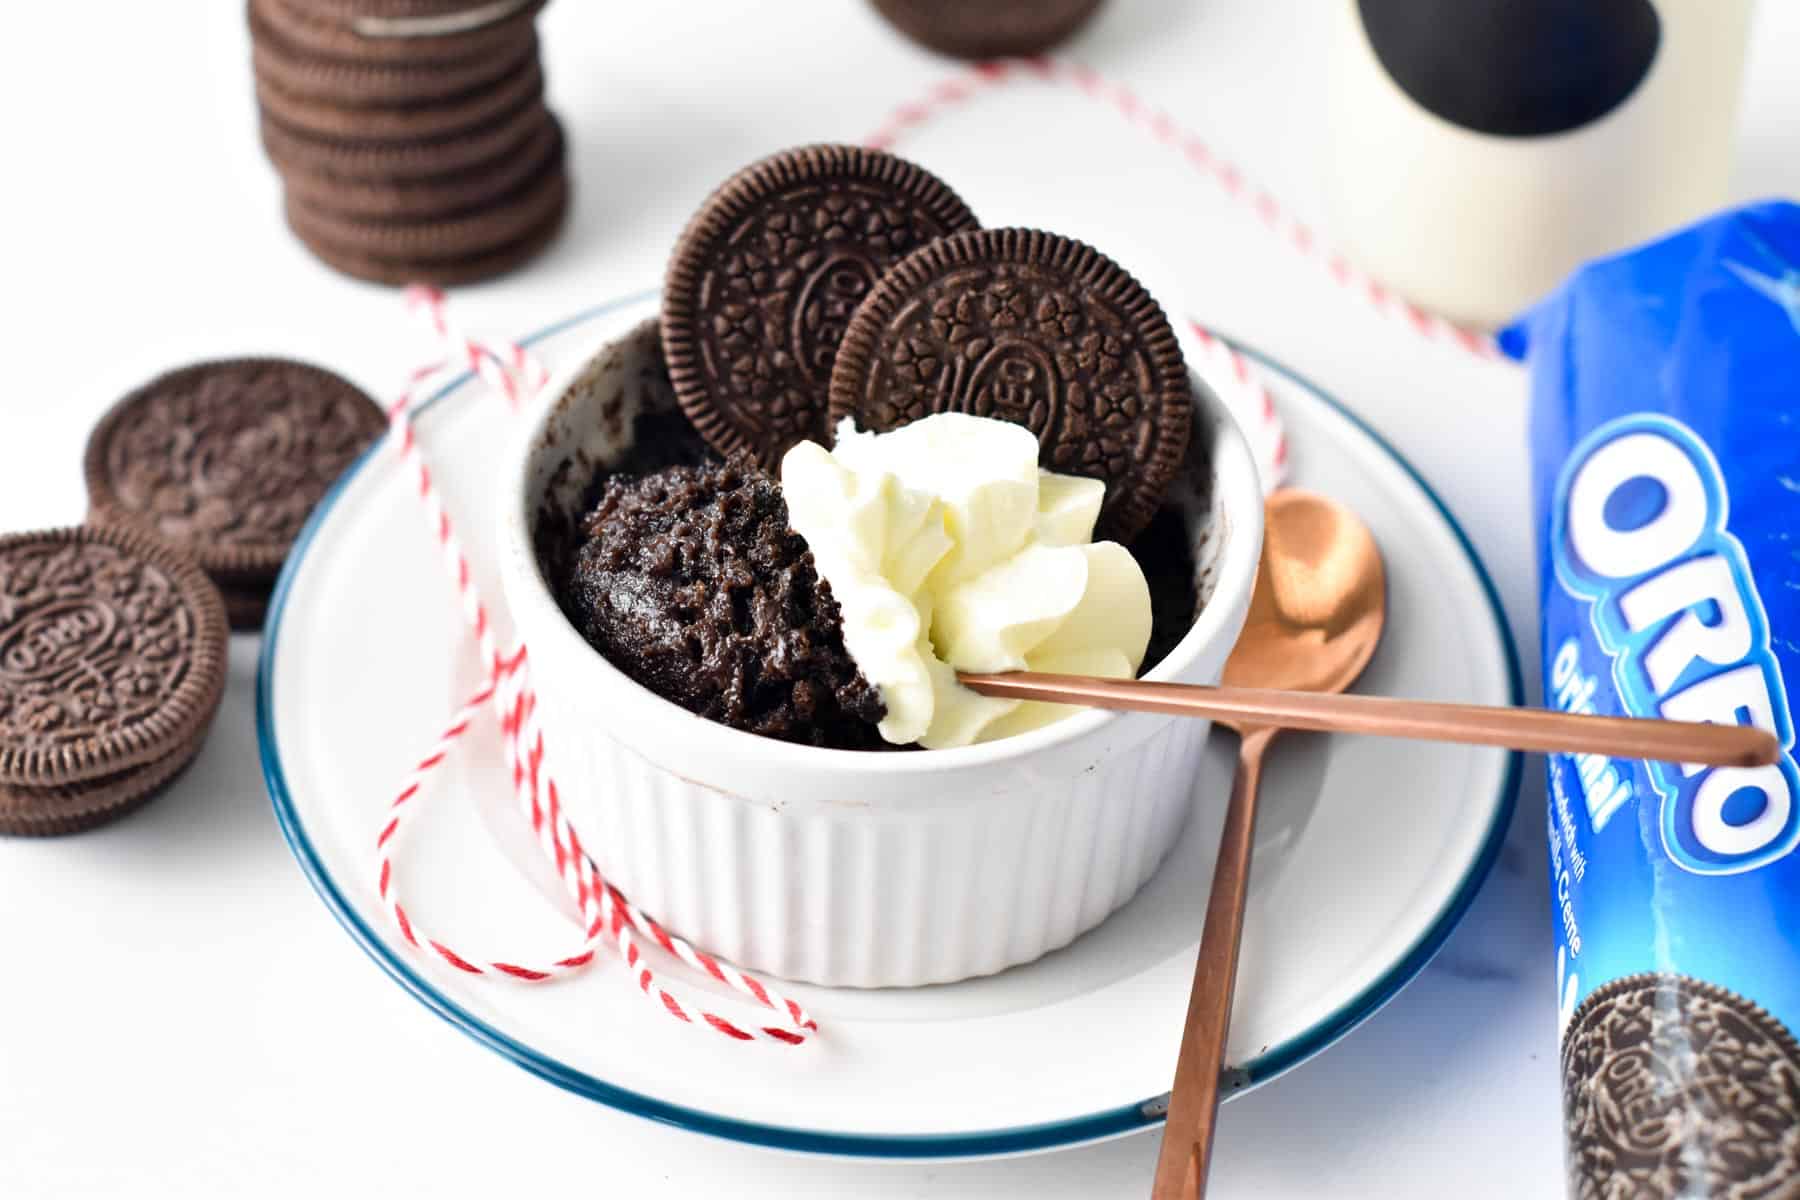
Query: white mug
{"points": [[1481, 149]]}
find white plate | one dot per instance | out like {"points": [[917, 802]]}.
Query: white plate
{"points": [[1368, 851]]}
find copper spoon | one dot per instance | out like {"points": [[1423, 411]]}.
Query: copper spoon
{"points": [[1316, 614], [1314, 620]]}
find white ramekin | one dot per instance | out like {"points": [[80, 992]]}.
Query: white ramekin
{"points": [[845, 868]]}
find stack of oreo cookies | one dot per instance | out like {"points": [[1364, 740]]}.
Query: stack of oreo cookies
{"points": [[412, 135]]}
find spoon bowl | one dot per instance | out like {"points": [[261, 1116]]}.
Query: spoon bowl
{"points": [[1320, 601]]}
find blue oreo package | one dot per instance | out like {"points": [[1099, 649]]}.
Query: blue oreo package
{"points": [[1665, 444]]}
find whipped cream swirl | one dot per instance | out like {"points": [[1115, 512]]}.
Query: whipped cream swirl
{"points": [[949, 549]]}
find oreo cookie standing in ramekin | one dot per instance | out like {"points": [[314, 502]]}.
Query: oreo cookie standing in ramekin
{"points": [[225, 460], [112, 664], [767, 273], [1037, 329]]}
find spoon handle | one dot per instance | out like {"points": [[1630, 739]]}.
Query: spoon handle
{"points": [[1517, 728], [1186, 1154]]}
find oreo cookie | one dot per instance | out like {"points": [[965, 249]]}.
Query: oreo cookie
{"points": [[474, 151], [434, 197], [1676, 1087], [766, 275], [1037, 329], [112, 664], [304, 76], [482, 30], [504, 221], [403, 123], [225, 461], [349, 11], [420, 18], [490, 242], [992, 29]]}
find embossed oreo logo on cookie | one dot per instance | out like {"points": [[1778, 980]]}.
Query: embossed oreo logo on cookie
{"points": [[48, 641], [827, 298], [1640, 529], [1035, 329], [1675, 1087], [111, 655], [764, 281], [87, 642]]}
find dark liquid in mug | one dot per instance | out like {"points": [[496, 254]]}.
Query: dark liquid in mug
{"points": [[1515, 68]]}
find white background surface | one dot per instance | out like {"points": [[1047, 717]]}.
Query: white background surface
{"points": [[180, 1016]]}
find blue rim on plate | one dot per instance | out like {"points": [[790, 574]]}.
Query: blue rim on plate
{"points": [[978, 1144]]}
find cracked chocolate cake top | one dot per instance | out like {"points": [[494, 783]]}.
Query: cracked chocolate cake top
{"points": [[690, 580]]}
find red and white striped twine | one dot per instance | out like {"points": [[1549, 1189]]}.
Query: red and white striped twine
{"points": [[516, 374], [1244, 391], [1164, 129]]}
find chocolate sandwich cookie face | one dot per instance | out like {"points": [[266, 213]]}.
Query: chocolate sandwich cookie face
{"points": [[1675, 1087], [225, 460], [112, 655], [412, 122], [991, 29], [766, 275], [1036, 329]]}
